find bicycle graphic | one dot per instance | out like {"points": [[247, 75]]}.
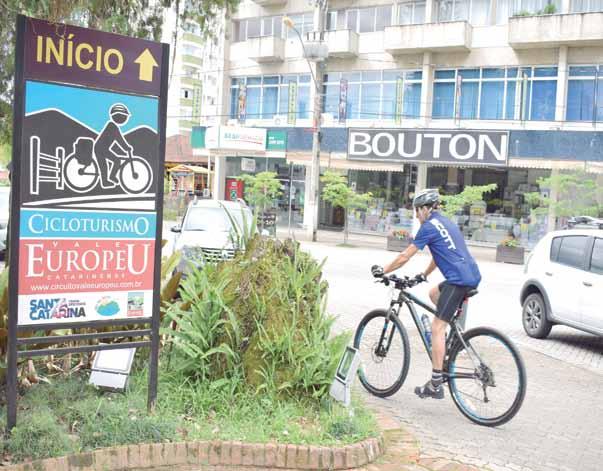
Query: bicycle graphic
{"points": [[80, 172], [107, 159], [134, 174]]}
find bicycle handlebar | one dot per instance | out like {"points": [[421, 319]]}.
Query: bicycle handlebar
{"points": [[400, 283]]}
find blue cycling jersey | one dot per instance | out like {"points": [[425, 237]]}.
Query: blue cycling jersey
{"points": [[449, 250]]}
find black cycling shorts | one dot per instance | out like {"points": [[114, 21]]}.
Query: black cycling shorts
{"points": [[450, 299]]}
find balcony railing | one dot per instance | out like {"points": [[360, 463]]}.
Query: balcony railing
{"points": [[409, 39], [544, 31], [342, 43], [266, 49]]}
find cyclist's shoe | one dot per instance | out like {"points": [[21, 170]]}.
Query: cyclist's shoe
{"points": [[427, 390]]}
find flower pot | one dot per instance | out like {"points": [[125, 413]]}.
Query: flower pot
{"points": [[397, 245], [506, 254]]}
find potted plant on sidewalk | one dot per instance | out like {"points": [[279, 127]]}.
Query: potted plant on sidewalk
{"points": [[509, 251], [399, 240]]}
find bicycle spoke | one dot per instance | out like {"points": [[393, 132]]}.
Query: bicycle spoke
{"points": [[496, 383], [382, 355]]}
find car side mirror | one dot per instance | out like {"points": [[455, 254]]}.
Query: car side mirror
{"points": [[176, 229]]}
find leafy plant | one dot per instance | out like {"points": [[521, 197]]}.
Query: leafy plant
{"points": [[337, 192], [523, 13], [453, 204], [510, 242], [577, 195], [261, 190], [550, 9], [402, 234], [258, 320]]}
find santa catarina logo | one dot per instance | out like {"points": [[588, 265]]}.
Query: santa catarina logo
{"points": [[55, 308]]}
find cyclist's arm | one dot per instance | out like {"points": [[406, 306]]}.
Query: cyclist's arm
{"points": [[401, 259], [430, 268], [120, 140]]}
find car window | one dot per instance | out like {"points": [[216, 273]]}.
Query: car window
{"points": [[572, 250], [596, 263], [214, 219], [555, 245]]}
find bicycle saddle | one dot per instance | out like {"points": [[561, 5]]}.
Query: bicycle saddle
{"points": [[471, 293]]}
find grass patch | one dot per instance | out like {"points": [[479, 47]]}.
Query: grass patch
{"points": [[70, 416]]}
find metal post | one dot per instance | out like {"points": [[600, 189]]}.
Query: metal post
{"points": [[320, 6]]}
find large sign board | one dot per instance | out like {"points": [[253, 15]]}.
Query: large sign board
{"points": [[87, 183], [429, 145]]}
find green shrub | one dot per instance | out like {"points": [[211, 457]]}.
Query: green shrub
{"points": [[260, 318], [39, 435]]}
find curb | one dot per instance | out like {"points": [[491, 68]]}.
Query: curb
{"points": [[215, 453]]}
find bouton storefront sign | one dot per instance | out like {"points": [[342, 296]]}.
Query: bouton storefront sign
{"points": [[429, 145]]}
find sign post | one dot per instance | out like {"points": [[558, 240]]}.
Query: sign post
{"points": [[87, 191]]}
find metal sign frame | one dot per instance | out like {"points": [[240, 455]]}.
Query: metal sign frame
{"points": [[148, 336]]}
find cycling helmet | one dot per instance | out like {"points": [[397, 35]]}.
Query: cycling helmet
{"points": [[118, 108], [429, 197]]}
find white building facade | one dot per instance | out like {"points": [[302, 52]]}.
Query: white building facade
{"points": [[530, 68]]}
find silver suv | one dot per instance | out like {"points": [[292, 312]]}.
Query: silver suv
{"points": [[564, 282], [208, 230]]}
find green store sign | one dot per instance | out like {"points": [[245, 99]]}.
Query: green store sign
{"points": [[276, 140]]}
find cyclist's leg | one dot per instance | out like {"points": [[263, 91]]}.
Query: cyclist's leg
{"points": [[103, 157]]}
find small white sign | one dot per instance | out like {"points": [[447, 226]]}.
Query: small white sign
{"points": [[235, 138], [247, 165]]}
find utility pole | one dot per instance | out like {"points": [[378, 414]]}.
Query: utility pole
{"points": [[320, 8]]}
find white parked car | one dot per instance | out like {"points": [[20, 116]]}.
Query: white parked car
{"points": [[564, 282], [208, 232]]}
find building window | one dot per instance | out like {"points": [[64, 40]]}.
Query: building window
{"points": [[474, 11], [191, 50], [304, 23], [585, 93], [267, 96], [364, 20], [258, 27], [584, 6], [411, 13], [534, 7], [527, 93], [374, 94]]}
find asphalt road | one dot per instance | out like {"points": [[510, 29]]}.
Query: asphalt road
{"points": [[559, 426]]}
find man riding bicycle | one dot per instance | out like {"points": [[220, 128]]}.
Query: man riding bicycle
{"points": [[108, 141], [451, 256]]}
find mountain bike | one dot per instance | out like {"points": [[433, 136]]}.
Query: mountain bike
{"points": [[484, 370]]}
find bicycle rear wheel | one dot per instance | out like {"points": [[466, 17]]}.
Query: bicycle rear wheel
{"points": [[384, 352], [492, 392]]}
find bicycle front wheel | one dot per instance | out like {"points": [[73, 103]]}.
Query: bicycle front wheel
{"points": [[136, 176], [487, 380], [384, 352]]}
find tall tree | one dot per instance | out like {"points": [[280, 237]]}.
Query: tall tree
{"points": [[139, 18]]}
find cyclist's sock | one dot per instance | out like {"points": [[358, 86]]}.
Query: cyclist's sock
{"points": [[436, 378]]}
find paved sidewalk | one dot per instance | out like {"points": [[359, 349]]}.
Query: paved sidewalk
{"points": [[334, 238]]}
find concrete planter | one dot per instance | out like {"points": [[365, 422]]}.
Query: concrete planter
{"points": [[506, 254], [397, 245]]}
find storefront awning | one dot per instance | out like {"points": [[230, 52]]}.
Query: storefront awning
{"points": [[590, 167], [189, 169], [338, 163]]}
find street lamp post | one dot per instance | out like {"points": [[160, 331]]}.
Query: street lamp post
{"points": [[318, 55]]}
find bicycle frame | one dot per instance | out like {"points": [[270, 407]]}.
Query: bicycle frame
{"points": [[408, 299]]}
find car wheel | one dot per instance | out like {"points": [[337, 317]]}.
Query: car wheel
{"points": [[534, 317]]}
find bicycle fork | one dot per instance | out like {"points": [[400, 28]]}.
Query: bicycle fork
{"points": [[381, 350]]}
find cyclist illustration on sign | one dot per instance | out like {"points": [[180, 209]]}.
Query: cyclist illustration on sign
{"points": [[108, 158]]}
